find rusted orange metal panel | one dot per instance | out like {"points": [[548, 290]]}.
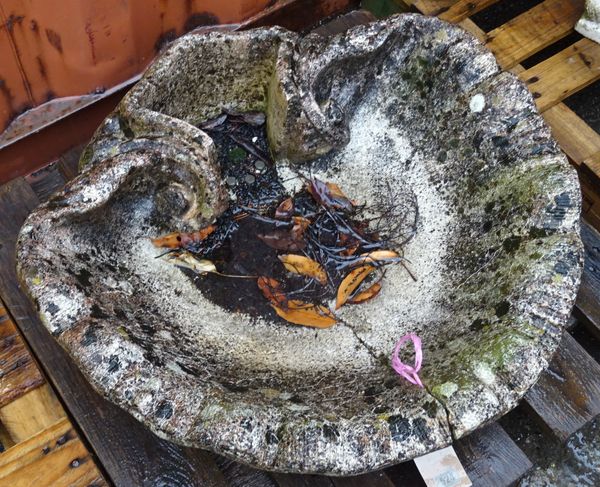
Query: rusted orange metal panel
{"points": [[76, 47]]}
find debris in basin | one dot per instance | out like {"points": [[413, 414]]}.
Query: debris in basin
{"points": [[314, 249]]}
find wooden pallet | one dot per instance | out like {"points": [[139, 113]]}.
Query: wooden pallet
{"points": [[41, 446], [566, 397]]}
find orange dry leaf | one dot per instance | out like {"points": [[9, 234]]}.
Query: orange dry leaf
{"points": [[304, 266], [307, 314], [350, 283], [365, 295], [271, 288], [176, 239], [377, 255], [336, 191]]}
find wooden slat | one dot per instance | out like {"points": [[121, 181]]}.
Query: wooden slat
{"points": [[34, 448], [463, 9], [238, 475], [588, 299], [18, 372], [5, 440], [431, 7], [31, 413], [567, 394], [44, 181], [375, 479], [128, 451], [574, 136], [491, 458], [54, 457], [563, 74], [291, 480], [533, 30]]}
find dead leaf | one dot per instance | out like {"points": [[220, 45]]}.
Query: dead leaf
{"points": [[376, 256], [189, 261], [307, 314], [285, 209], [328, 195], [336, 191], [300, 226], [271, 289], [365, 295], [304, 266], [350, 283], [350, 250], [180, 240]]}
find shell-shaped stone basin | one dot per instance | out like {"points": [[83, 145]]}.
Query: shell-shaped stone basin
{"points": [[409, 102]]}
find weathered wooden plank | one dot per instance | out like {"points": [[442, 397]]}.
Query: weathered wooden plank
{"points": [[374, 479], [69, 162], [31, 413], [45, 180], [238, 475], [291, 480], [53, 457], [431, 7], [130, 453], [405, 473], [588, 299], [533, 30], [37, 446], [18, 371], [5, 440], [575, 137], [491, 458], [561, 75], [567, 394], [464, 8]]}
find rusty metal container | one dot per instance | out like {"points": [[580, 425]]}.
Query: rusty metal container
{"points": [[71, 48]]}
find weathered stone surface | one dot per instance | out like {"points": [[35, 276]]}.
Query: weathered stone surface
{"points": [[410, 103]]}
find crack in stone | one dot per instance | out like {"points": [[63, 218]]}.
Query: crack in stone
{"points": [[377, 356], [446, 411]]}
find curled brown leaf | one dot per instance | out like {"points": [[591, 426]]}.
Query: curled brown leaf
{"points": [[376, 256], [328, 195], [302, 265], [271, 289], [285, 209], [365, 295], [350, 283], [306, 314]]}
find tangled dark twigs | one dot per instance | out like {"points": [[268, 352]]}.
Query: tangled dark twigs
{"points": [[310, 253]]}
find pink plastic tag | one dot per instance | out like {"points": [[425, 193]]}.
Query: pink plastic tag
{"points": [[406, 371]]}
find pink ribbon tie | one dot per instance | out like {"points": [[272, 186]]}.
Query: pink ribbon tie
{"points": [[406, 371]]}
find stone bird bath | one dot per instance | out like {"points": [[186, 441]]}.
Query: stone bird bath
{"points": [[411, 103]]}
